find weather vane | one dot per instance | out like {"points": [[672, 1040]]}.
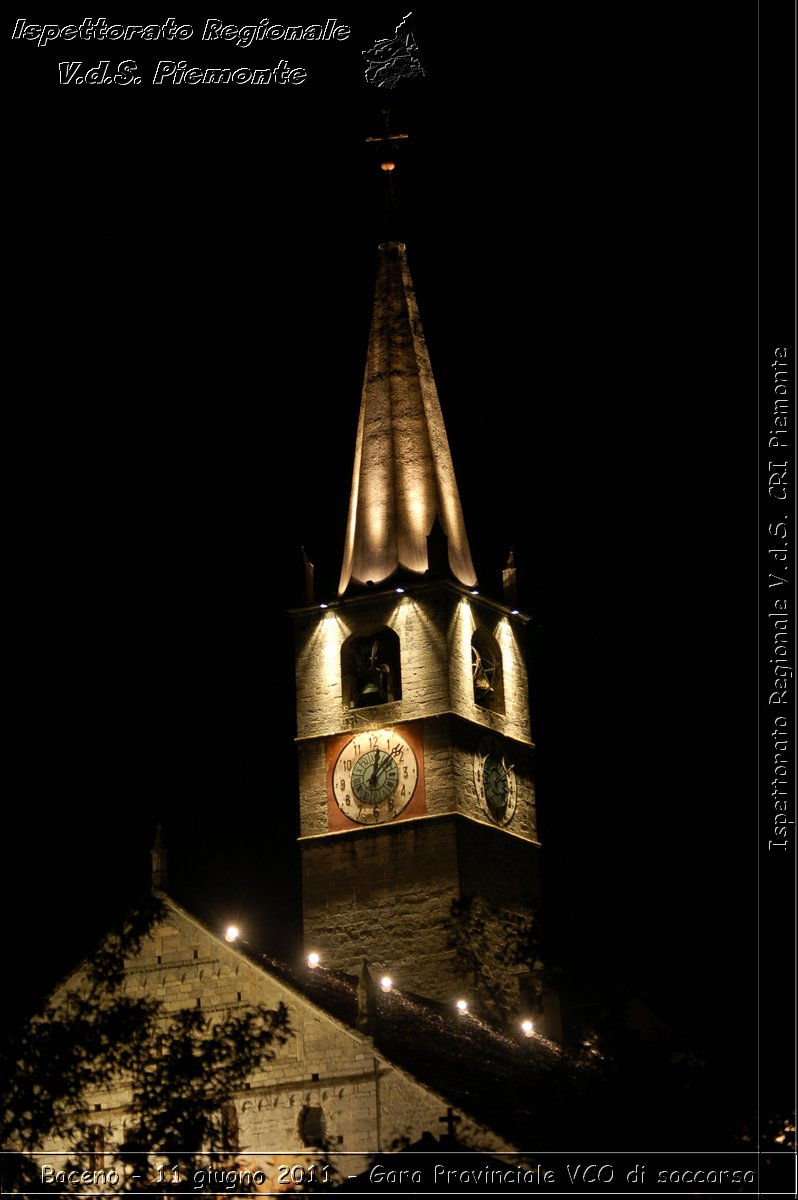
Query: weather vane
{"points": [[394, 60]]}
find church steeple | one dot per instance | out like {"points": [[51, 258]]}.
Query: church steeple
{"points": [[403, 478], [417, 804]]}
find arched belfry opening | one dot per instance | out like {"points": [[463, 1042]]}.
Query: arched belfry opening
{"points": [[371, 671], [486, 671]]}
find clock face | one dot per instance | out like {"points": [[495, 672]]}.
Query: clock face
{"points": [[374, 776], [494, 778]]}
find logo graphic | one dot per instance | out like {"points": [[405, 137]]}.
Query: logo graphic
{"points": [[393, 60]]}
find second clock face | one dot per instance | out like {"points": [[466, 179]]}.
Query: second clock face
{"points": [[494, 779], [374, 776]]}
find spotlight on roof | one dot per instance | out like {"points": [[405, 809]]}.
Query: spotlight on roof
{"points": [[400, 591], [527, 1028], [324, 606], [475, 591], [514, 612], [231, 934], [386, 983], [462, 1006], [313, 959]]}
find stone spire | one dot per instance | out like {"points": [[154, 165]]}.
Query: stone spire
{"points": [[403, 478]]}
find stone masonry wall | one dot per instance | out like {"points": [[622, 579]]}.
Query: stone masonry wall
{"points": [[384, 893], [434, 625], [367, 1102]]}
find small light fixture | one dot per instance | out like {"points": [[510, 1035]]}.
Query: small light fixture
{"points": [[386, 983], [462, 1006], [514, 612], [324, 606], [527, 1028], [474, 591], [387, 166], [313, 959], [231, 934], [400, 591]]}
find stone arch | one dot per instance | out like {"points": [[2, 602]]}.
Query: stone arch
{"points": [[229, 1126], [371, 668], [312, 1125], [95, 1139], [487, 671]]}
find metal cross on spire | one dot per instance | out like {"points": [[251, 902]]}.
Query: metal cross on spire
{"points": [[386, 147], [386, 157]]}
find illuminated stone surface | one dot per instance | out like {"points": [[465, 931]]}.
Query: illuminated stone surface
{"points": [[367, 1097], [403, 477]]}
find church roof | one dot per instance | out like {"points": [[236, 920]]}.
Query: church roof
{"points": [[525, 1089], [403, 477], [528, 1091]]}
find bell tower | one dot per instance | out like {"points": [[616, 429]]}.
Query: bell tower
{"points": [[414, 740]]}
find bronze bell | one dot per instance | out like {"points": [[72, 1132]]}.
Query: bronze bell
{"points": [[370, 693], [374, 679], [482, 682]]}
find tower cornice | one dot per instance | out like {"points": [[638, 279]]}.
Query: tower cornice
{"points": [[422, 586], [456, 819]]}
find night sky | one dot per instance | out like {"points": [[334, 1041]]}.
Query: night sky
{"points": [[194, 270]]}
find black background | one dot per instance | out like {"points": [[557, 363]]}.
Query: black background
{"points": [[193, 278]]}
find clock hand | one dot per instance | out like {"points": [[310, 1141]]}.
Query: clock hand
{"points": [[375, 772], [505, 773]]}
